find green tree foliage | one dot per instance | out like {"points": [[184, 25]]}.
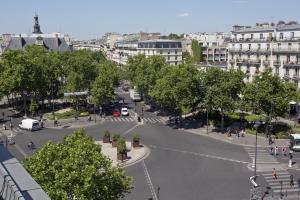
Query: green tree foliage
{"points": [[269, 95], [174, 36], [143, 72], [179, 88], [222, 90], [76, 167], [186, 57], [197, 52], [108, 76]]}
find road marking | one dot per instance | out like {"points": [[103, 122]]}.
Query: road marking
{"points": [[21, 150], [149, 181], [126, 132], [203, 155]]}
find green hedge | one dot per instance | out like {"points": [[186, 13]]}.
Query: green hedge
{"points": [[65, 115]]}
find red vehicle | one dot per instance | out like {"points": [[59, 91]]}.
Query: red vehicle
{"points": [[116, 113]]}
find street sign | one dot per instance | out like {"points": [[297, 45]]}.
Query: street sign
{"points": [[75, 94]]}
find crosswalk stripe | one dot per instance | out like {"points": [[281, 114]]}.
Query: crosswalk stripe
{"points": [[284, 182], [277, 172], [288, 190]]}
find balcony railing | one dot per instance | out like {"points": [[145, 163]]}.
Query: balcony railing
{"points": [[266, 39]]}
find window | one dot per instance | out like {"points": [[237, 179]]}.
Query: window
{"points": [[259, 45], [161, 52], [289, 46], [175, 51], [296, 83], [251, 36], [278, 58], [168, 52], [249, 46], [277, 70], [296, 71], [175, 63], [261, 36], [243, 36], [175, 57], [281, 36], [292, 35], [267, 57], [168, 57], [287, 72], [268, 46], [288, 58], [241, 46], [279, 46]]}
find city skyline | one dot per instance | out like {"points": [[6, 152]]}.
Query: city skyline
{"points": [[91, 20]]}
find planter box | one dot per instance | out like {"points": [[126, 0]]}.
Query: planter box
{"points": [[122, 156], [114, 143], [106, 139], [135, 144]]}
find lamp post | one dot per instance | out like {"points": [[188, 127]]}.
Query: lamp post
{"points": [[256, 125], [206, 120]]}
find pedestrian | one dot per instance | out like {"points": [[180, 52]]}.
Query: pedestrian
{"points": [[274, 174], [284, 151], [4, 126], [270, 140], [275, 150], [11, 126], [291, 180], [271, 150]]}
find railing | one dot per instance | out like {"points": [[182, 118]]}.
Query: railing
{"points": [[266, 39]]}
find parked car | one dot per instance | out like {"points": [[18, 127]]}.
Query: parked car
{"points": [[124, 112], [116, 113]]}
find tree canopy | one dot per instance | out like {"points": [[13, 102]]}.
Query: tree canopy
{"points": [[76, 167]]}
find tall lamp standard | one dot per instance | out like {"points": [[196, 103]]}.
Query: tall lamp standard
{"points": [[256, 125]]}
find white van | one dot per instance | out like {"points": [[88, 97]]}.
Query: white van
{"points": [[30, 124]]}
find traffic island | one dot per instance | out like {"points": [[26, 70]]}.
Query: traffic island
{"points": [[134, 155]]}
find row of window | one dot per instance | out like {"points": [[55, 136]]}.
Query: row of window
{"points": [[261, 36], [268, 46], [288, 58]]}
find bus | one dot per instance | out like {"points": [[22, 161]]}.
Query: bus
{"points": [[295, 142]]}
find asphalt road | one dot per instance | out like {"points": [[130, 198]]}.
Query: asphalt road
{"points": [[183, 165]]}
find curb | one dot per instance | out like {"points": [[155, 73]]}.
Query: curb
{"points": [[224, 140], [147, 150]]}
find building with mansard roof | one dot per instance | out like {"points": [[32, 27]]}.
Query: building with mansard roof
{"points": [[51, 42]]}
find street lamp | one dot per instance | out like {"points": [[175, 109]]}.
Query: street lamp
{"points": [[256, 125]]}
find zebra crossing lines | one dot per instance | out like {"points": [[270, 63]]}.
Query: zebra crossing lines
{"points": [[149, 120], [282, 183], [263, 156]]}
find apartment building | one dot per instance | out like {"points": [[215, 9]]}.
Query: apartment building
{"points": [[266, 45], [171, 50]]}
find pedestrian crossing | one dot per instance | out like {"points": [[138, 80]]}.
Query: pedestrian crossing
{"points": [[149, 120], [282, 183], [264, 160], [265, 163]]}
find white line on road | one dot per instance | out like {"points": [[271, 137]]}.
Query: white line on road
{"points": [[204, 155], [149, 181], [126, 132]]}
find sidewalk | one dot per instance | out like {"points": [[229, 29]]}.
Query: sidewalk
{"points": [[81, 122], [248, 140]]}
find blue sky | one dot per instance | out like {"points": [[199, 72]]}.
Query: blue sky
{"points": [[92, 18]]}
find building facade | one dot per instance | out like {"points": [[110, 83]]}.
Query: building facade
{"points": [[171, 50], [266, 45], [51, 42]]}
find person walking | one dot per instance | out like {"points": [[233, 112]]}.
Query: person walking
{"points": [[275, 150], [291, 180], [11, 126], [274, 174]]}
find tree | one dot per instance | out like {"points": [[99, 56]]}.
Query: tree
{"points": [[143, 72], [186, 57], [108, 76], [197, 52], [178, 88], [269, 95], [222, 90], [76, 167]]}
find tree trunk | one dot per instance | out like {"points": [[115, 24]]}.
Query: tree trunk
{"points": [[222, 121], [8, 100], [24, 104]]}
